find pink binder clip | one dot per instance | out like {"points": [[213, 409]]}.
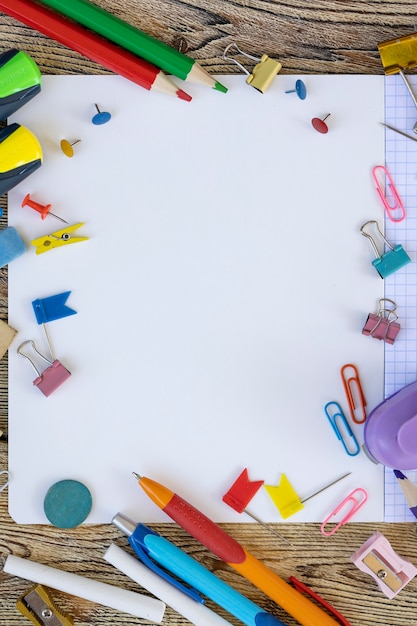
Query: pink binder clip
{"points": [[377, 558], [52, 377], [383, 324], [356, 499], [396, 210]]}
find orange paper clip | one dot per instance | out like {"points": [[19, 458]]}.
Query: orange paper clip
{"points": [[354, 393], [396, 209], [356, 500]]}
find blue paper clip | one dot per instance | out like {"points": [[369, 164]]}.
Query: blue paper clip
{"points": [[389, 262], [347, 437]]}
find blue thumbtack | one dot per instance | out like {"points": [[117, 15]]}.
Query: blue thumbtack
{"points": [[300, 89], [101, 117]]}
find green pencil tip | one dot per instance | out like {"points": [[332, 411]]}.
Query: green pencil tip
{"points": [[220, 87]]}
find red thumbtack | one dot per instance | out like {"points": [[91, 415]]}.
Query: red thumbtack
{"points": [[320, 125], [44, 210]]}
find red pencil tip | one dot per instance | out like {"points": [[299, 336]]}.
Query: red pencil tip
{"points": [[184, 96]]}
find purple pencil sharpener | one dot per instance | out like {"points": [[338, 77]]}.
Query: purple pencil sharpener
{"points": [[391, 430]]}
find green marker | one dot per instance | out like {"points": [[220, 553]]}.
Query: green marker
{"points": [[130, 38], [20, 80]]}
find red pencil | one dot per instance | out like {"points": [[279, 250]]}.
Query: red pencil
{"points": [[92, 46]]}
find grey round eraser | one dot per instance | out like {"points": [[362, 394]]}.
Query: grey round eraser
{"points": [[67, 503]]}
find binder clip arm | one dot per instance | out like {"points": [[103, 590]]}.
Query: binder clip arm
{"points": [[262, 74]]}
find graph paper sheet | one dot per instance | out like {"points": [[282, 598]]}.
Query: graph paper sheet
{"points": [[401, 357]]}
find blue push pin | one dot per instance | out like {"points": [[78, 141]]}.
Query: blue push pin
{"points": [[101, 117], [300, 89]]}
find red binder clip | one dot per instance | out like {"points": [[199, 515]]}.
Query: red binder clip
{"points": [[383, 324], [52, 377]]}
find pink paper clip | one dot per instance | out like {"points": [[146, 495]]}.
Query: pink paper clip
{"points": [[396, 210], [356, 499], [354, 393]]}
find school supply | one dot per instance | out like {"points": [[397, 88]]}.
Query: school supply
{"points": [[386, 263], [7, 334], [353, 502], [12, 245], [230, 551], [195, 612], [409, 490], [67, 503], [263, 73], [397, 56], [51, 377], [6, 482], [390, 197], [20, 155], [57, 239], [136, 604], [383, 324], [43, 209], [341, 427], [20, 81], [37, 605], [390, 571], [91, 46], [120, 32], [161, 555], [354, 393], [391, 430]]}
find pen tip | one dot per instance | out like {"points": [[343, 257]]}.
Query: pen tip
{"points": [[137, 476], [220, 87], [183, 95]]}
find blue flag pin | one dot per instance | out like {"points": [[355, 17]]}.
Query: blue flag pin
{"points": [[50, 309]]}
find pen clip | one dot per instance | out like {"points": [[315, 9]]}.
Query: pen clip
{"points": [[303, 588], [146, 560]]}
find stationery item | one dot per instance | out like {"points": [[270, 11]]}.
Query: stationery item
{"points": [[400, 132], [286, 498], [241, 493], [230, 551], [354, 501], [100, 117], [319, 124], [341, 428], [149, 546], [302, 587], [354, 394], [193, 611], [37, 605], [127, 36], [7, 334], [392, 202], [262, 74], [400, 54], [50, 378], [67, 503], [300, 89], [67, 147], [20, 81], [57, 239], [44, 210], [20, 155], [400, 359], [391, 430], [388, 262], [4, 484], [50, 309], [96, 48], [390, 571], [11, 245], [409, 490], [136, 604], [383, 324]]}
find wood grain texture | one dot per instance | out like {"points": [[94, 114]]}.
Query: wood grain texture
{"points": [[307, 36]]}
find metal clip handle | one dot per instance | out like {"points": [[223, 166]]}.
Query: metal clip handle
{"points": [[365, 234], [32, 344]]}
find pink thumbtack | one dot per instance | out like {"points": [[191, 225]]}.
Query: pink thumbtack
{"points": [[44, 210], [320, 125]]}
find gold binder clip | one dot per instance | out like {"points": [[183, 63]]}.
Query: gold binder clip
{"points": [[37, 605], [262, 74], [399, 55]]}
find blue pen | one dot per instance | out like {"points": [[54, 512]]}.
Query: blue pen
{"points": [[149, 546]]}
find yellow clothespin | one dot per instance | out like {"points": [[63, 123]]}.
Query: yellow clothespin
{"points": [[37, 605], [398, 55], [58, 238], [262, 74]]}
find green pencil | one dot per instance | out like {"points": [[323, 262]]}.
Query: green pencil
{"points": [[130, 38]]}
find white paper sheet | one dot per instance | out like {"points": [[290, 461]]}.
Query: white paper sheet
{"points": [[224, 284]]}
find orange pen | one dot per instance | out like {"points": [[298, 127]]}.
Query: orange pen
{"points": [[230, 551]]}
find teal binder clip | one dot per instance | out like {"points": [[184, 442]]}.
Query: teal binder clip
{"points": [[388, 262]]}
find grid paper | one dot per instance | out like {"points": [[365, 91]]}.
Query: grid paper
{"points": [[401, 357]]}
